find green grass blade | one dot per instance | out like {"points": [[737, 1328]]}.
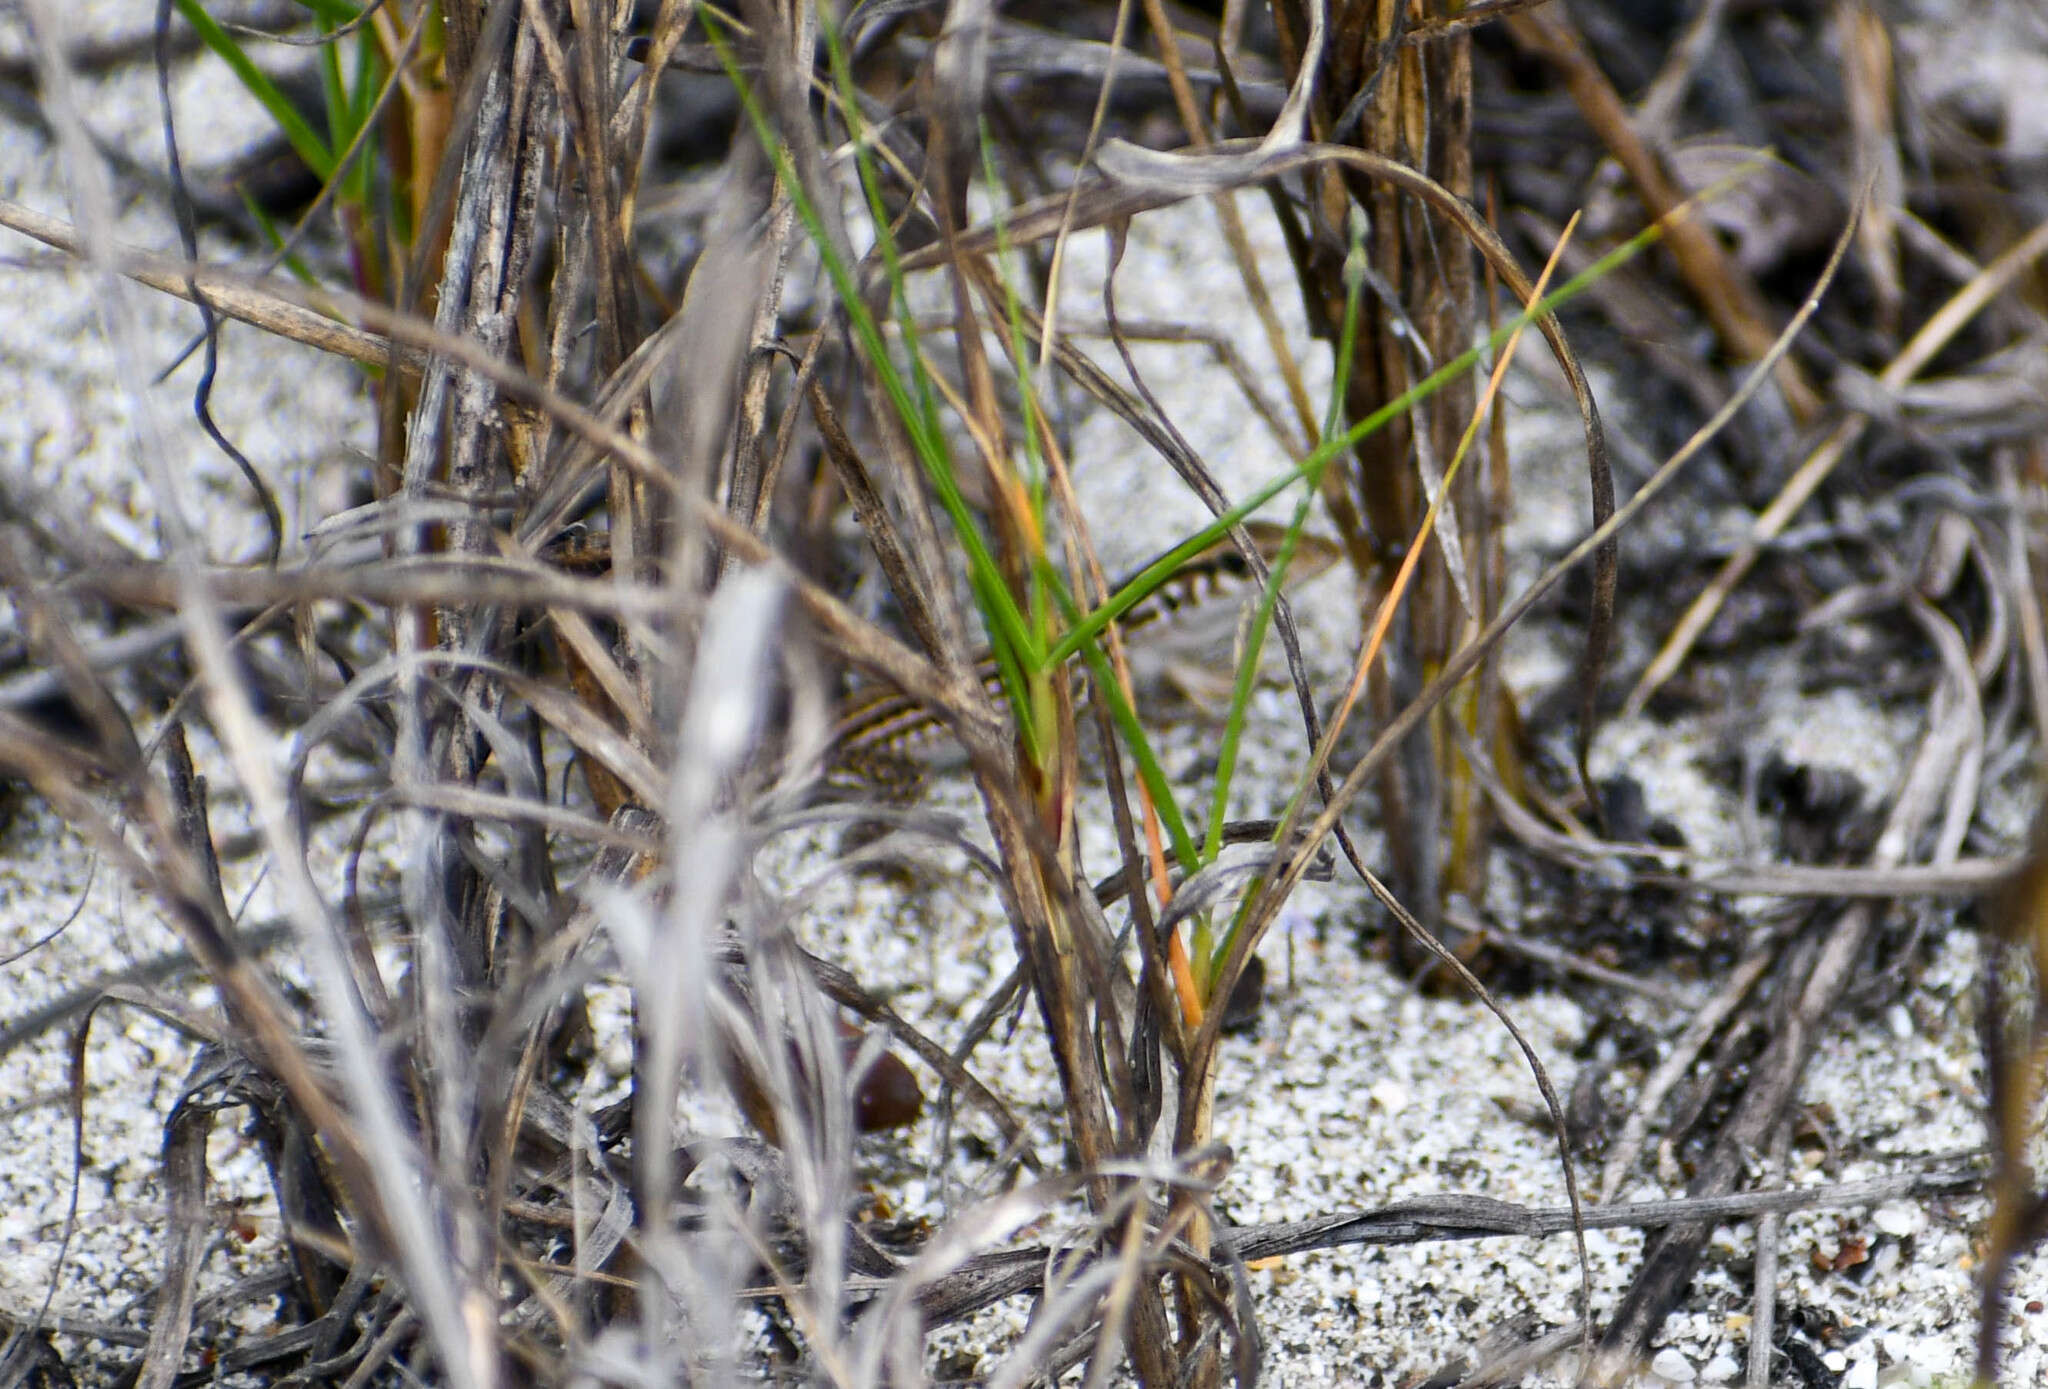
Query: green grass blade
{"points": [[287, 117], [363, 92], [335, 14], [1020, 352], [1128, 727], [1006, 623], [266, 224], [1156, 573], [334, 91], [1247, 676]]}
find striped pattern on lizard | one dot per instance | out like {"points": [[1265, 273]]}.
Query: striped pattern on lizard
{"points": [[884, 741]]}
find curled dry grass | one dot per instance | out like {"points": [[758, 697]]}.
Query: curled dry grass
{"points": [[453, 642]]}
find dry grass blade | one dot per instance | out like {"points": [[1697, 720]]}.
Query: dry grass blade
{"points": [[1156, 173], [1727, 295], [2015, 1041], [232, 295], [571, 997], [1287, 120], [184, 1174], [1813, 979], [963, 1284], [1676, 1065], [1935, 334], [1470, 656], [1684, 870], [866, 645]]}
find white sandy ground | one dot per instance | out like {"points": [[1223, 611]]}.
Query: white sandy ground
{"points": [[1354, 1091]]}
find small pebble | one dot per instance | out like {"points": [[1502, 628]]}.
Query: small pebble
{"points": [[1390, 1095], [1721, 1369], [1898, 1219], [1862, 1374], [1936, 1359], [1672, 1366]]}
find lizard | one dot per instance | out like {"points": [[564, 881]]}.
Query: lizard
{"points": [[882, 736]]}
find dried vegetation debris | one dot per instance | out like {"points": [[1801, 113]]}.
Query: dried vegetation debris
{"points": [[485, 790]]}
